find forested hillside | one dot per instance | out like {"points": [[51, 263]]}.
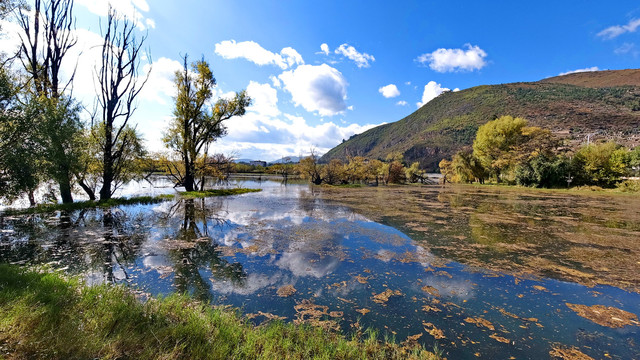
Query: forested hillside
{"points": [[603, 104]]}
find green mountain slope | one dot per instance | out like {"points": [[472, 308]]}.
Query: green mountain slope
{"points": [[449, 122]]}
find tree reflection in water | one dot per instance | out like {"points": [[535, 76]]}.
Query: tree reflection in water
{"points": [[193, 251]]}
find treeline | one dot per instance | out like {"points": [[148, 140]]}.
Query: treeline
{"points": [[508, 150], [45, 142], [360, 170]]}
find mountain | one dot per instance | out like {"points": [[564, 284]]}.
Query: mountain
{"points": [[600, 104], [286, 160]]}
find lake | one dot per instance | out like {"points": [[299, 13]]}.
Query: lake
{"points": [[483, 272]]}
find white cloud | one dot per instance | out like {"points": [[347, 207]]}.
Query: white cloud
{"points": [[325, 49], [626, 48], [320, 88], [132, 9], [593, 68], [252, 51], [160, 85], [361, 59], [264, 99], [389, 91], [431, 91], [448, 60], [264, 132], [275, 81], [617, 30], [402, 103]]}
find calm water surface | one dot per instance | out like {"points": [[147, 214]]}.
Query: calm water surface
{"points": [[348, 271]]}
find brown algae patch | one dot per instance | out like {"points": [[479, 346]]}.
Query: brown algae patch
{"points": [[480, 322], [498, 338], [433, 330], [384, 296], [563, 352], [309, 313], [431, 290], [363, 311], [286, 291], [605, 315], [361, 279]]}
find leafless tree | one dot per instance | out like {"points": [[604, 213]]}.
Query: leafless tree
{"points": [[119, 84], [53, 24]]}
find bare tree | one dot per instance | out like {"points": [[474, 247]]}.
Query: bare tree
{"points": [[53, 23], [119, 85]]}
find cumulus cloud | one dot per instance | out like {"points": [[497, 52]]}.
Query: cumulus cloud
{"points": [[132, 9], [325, 49], [593, 68], [267, 133], [431, 91], [252, 51], [402, 103], [389, 91], [361, 59], [317, 88], [617, 30], [160, 84], [449, 60]]}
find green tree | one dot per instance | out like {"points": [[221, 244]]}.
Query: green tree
{"points": [[602, 164], [502, 144], [46, 39], [194, 126]]}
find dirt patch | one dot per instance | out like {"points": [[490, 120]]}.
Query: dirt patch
{"points": [[605, 315], [361, 279]]}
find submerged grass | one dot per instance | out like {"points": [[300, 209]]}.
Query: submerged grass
{"points": [[45, 316], [79, 205], [216, 192]]}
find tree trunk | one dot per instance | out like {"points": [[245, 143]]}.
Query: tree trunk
{"points": [[65, 191], [107, 158], [87, 189], [32, 199], [188, 177]]}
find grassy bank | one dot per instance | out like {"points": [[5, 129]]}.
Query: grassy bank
{"points": [[138, 200], [216, 192], [44, 316], [79, 205]]}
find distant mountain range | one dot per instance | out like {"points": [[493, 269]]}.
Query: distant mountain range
{"points": [[287, 159], [598, 105]]}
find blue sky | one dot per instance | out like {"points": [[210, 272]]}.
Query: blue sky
{"points": [[379, 62]]}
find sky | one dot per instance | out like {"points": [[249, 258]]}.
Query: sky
{"points": [[320, 72]]}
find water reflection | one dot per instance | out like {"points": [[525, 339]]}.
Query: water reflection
{"points": [[241, 250]]}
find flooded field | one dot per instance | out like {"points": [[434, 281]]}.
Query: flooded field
{"points": [[482, 272]]}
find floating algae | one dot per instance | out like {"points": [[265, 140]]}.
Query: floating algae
{"points": [[605, 315]]}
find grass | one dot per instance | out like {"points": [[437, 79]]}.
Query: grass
{"points": [[216, 192], [45, 316], [79, 205]]}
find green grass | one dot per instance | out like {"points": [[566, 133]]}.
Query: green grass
{"points": [[216, 192], [45, 316], [79, 205]]}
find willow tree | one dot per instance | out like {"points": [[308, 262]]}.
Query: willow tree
{"points": [[196, 124], [47, 36]]}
